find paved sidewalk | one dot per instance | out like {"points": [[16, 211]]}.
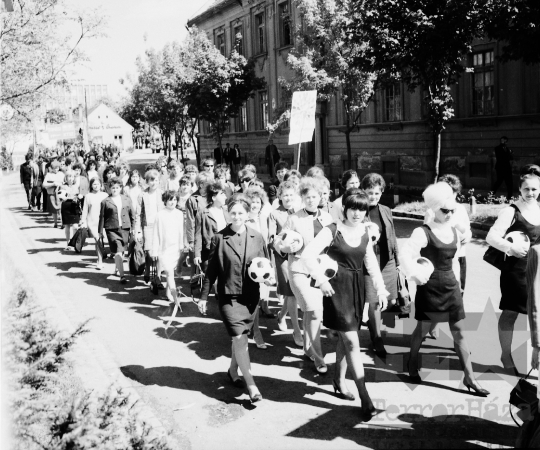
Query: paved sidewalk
{"points": [[181, 372]]}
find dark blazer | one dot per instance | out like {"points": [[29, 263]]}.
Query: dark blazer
{"points": [[386, 215], [225, 264], [205, 229], [108, 216], [194, 204], [26, 171]]}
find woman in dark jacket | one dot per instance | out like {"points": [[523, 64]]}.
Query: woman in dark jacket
{"points": [[386, 250], [231, 252], [117, 217]]}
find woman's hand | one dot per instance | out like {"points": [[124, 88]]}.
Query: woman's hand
{"points": [[383, 302], [203, 307], [270, 282], [197, 261], [295, 246], [326, 289], [154, 258], [518, 250], [534, 359], [420, 279]]}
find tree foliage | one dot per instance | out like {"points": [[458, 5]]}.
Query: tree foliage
{"points": [[421, 42], [517, 24], [40, 42], [326, 59]]}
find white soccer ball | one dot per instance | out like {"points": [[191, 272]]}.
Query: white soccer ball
{"points": [[425, 266], [373, 232], [520, 237], [62, 195], [288, 237], [328, 265], [261, 270]]}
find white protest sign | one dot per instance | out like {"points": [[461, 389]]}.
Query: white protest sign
{"points": [[302, 119]]}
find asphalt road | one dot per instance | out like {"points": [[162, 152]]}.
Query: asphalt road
{"points": [[181, 371]]}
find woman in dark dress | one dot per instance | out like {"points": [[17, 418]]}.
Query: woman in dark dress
{"points": [[438, 297], [524, 216], [347, 243], [232, 249], [386, 250]]}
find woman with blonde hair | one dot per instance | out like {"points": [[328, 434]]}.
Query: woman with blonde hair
{"points": [[308, 222]]}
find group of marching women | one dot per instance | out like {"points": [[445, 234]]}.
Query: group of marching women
{"points": [[184, 213]]}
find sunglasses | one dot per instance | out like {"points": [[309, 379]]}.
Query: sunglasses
{"points": [[208, 165], [245, 180], [448, 211]]}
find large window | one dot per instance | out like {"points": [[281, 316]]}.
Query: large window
{"points": [[392, 103], [263, 110], [260, 33], [285, 27], [220, 42], [241, 120], [483, 84], [238, 39]]}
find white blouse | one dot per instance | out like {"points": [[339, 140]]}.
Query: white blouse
{"points": [[495, 237], [410, 252], [92, 208], [168, 232], [353, 237]]}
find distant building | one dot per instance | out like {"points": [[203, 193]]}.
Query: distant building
{"points": [[394, 138], [67, 99], [106, 127]]}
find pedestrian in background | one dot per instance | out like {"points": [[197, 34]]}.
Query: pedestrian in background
{"points": [[117, 218], [280, 169], [349, 180], [53, 180], [503, 167], [271, 158], [90, 216], [71, 206], [27, 176], [231, 252], [386, 252], [523, 216], [37, 183]]}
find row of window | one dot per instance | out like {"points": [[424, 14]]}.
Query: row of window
{"points": [[260, 39], [483, 97]]}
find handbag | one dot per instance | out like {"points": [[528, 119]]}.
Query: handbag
{"points": [[524, 397], [154, 284], [78, 241], [403, 303], [495, 257], [137, 260]]}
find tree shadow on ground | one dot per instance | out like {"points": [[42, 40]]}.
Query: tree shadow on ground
{"points": [[409, 430]]}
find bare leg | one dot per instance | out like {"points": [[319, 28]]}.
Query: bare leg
{"points": [[292, 307], [67, 232], [351, 345], [234, 365], [257, 335], [433, 331], [99, 256], [463, 352], [171, 287], [55, 218], [312, 336], [340, 371], [240, 350], [506, 331], [119, 263], [374, 313], [417, 337]]}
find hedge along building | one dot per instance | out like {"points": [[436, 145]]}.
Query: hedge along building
{"points": [[394, 138], [107, 127]]}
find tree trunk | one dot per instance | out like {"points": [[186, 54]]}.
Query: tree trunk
{"points": [[437, 153], [218, 131], [349, 150]]}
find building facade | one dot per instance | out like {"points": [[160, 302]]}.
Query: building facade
{"points": [[67, 99], [394, 138]]}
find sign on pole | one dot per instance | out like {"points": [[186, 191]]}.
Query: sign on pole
{"points": [[302, 119]]}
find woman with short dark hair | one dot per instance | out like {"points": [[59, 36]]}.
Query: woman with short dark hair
{"points": [[232, 250]]}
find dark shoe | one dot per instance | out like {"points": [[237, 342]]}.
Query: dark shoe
{"points": [[161, 286], [236, 383], [368, 413], [123, 280], [415, 378], [268, 314], [345, 395], [146, 279], [477, 390]]}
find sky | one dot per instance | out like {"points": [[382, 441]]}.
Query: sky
{"points": [[133, 26]]}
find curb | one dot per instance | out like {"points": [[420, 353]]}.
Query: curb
{"points": [[475, 225], [90, 359]]}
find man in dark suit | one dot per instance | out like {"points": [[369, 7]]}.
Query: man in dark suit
{"points": [[218, 155], [26, 172], [38, 169], [271, 158], [503, 167]]}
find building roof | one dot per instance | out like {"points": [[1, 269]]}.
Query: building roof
{"points": [[211, 7]]}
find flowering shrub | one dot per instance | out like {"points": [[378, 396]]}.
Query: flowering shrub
{"points": [[489, 199]]}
